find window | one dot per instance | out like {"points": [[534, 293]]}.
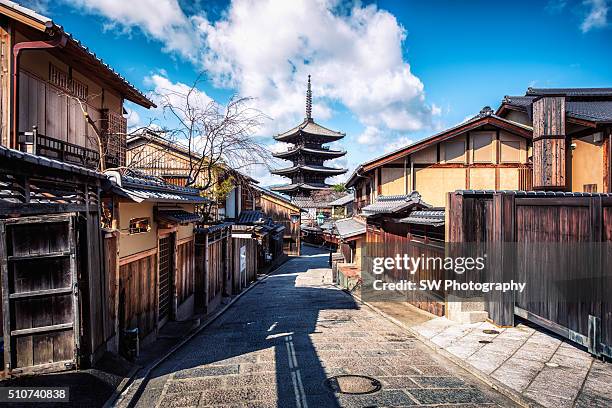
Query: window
{"points": [[64, 81], [140, 225]]}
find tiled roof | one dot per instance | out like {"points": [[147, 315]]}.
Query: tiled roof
{"points": [[592, 104], [309, 167], [306, 202], [534, 193], [343, 200], [140, 188], [393, 204], [434, 218], [349, 227], [311, 127], [570, 91], [302, 149], [597, 111], [177, 216], [297, 186], [7, 153], [133, 95], [214, 227], [250, 217]]}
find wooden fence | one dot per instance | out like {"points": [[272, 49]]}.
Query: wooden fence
{"points": [[185, 271], [534, 228], [388, 238], [212, 274], [138, 295]]}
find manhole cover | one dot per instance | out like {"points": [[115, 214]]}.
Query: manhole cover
{"points": [[489, 331], [353, 384]]}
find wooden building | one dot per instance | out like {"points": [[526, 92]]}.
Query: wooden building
{"points": [[49, 79], [485, 152], [152, 154], [342, 207], [53, 280], [61, 118], [572, 136], [153, 224], [284, 212]]}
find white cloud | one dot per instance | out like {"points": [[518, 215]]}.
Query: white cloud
{"points": [[266, 48], [162, 20], [398, 143], [597, 16], [371, 135], [164, 91]]}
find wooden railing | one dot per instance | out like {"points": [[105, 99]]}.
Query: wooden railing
{"points": [[66, 152], [42, 145]]}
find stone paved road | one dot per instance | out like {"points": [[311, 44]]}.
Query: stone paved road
{"points": [[276, 346]]}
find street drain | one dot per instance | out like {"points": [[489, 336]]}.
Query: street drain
{"points": [[485, 341], [353, 384], [489, 331]]}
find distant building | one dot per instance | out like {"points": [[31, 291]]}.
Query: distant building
{"points": [[308, 154]]}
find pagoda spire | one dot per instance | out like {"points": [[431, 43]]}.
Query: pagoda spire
{"points": [[309, 101]]}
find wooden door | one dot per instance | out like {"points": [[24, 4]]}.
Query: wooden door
{"points": [[38, 261], [166, 276]]}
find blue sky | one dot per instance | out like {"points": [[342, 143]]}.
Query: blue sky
{"points": [[387, 73]]}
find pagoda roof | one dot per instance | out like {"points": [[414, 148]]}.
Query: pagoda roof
{"points": [[288, 188], [310, 127], [311, 150], [309, 168]]}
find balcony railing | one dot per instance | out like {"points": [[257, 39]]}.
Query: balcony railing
{"points": [[41, 145]]}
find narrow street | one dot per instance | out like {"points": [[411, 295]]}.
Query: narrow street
{"points": [[280, 342]]}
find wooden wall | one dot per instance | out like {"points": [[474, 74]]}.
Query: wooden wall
{"points": [[138, 295], [549, 143], [216, 269], [185, 271], [281, 214], [251, 262], [111, 267], [157, 159], [489, 158]]}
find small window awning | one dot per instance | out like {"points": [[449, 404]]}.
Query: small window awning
{"points": [[177, 216]]}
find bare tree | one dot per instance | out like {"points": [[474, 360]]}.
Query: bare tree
{"points": [[216, 136]]}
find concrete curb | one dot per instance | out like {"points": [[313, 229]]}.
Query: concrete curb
{"points": [[516, 397], [128, 396]]}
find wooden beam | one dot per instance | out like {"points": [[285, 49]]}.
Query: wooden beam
{"points": [[137, 256]]}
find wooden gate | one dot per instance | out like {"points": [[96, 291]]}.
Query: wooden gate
{"points": [[166, 249], [38, 262], [558, 244]]}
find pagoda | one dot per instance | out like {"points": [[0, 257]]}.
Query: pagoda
{"points": [[307, 155]]}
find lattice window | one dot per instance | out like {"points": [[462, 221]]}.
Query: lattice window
{"points": [[62, 80], [114, 128]]}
